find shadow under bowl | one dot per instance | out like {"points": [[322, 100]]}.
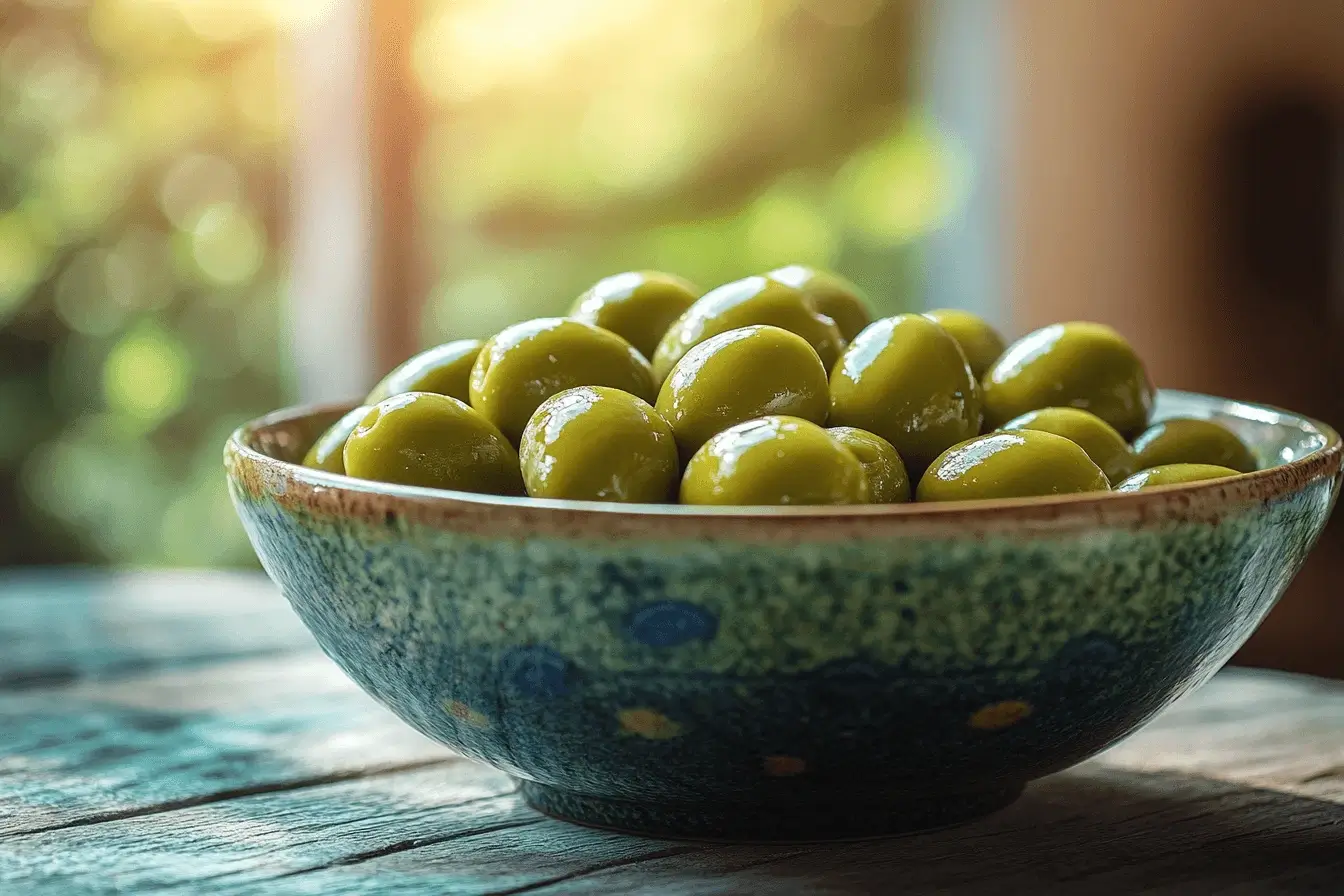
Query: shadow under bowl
{"points": [[783, 673]]}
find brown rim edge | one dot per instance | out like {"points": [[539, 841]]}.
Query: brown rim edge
{"points": [[332, 496]]}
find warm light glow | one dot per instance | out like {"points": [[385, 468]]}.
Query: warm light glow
{"points": [[470, 48], [630, 142], [226, 21]]}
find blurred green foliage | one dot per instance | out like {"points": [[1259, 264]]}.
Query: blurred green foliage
{"points": [[143, 174], [139, 207]]}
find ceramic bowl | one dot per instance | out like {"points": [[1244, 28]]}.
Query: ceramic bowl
{"points": [[783, 673]]}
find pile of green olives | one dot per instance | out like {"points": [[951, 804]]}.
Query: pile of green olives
{"points": [[777, 389]]}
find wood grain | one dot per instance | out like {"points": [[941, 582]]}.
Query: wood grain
{"points": [[83, 624], [275, 774], [99, 751], [334, 795]]}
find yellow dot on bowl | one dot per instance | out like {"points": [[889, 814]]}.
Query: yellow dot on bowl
{"points": [[459, 710], [783, 766], [647, 723], [1000, 715]]}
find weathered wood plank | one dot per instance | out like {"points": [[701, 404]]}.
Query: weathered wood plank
{"points": [[347, 837], [269, 836], [60, 627], [1094, 829], [1259, 729], [1146, 815], [103, 750], [1099, 829]]}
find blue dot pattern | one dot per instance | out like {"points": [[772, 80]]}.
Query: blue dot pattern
{"points": [[669, 623]]}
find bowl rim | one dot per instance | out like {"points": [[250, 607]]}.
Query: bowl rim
{"points": [[332, 494]]}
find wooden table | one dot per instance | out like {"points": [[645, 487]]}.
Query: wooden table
{"points": [[180, 733]]}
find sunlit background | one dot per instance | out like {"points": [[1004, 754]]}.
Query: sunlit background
{"points": [[144, 171]]}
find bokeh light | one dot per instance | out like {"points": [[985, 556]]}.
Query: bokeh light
{"points": [[227, 245], [83, 294], [147, 375], [196, 182]]}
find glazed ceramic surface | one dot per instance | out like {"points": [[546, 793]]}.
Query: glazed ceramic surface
{"points": [[787, 673]]}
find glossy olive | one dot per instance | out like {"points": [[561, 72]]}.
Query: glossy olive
{"points": [[1107, 448], [432, 440], [828, 294], [905, 379], [527, 363], [1174, 474], [1021, 464], [638, 306], [1188, 441], [772, 461], [1080, 365], [328, 452], [743, 303], [980, 342], [888, 482], [594, 443], [739, 375], [445, 369]]}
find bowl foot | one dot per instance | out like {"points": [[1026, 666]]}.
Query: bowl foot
{"points": [[793, 821]]}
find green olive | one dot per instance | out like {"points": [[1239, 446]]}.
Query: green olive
{"points": [[1189, 441], [771, 461], [739, 375], [828, 294], [980, 342], [1021, 464], [527, 363], [743, 303], [1174, 474], [1080, 365], [1107, 448], [445, 369], [638, 306], [905, 379], [431, 440], [328, 452], [599, 444], [888, 482]]}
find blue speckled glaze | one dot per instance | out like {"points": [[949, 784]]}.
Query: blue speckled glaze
{"points": [[790, 688]]}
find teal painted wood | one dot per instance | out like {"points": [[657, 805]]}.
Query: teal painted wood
{"points": [[266, 775], [96, 624], [74, 756], [458, 828]]}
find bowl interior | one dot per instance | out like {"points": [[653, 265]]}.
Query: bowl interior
{"points": [[1275, 437]]}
